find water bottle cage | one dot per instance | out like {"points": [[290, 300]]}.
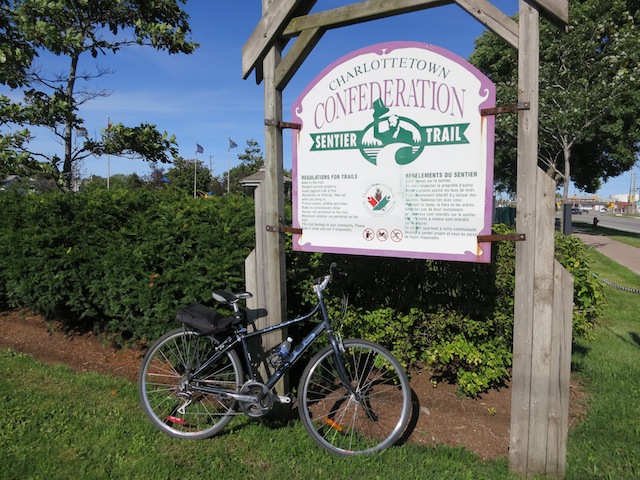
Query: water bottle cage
{"points": [[276, 361]]}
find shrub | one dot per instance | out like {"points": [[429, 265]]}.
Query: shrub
{"points": [[455, 317], [119, 261], [588, 292]]}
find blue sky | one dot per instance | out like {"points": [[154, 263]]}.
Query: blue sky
{"points": [[203, 98]]}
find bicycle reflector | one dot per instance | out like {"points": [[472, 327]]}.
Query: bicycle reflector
{"points": [[173, 419], [333, 424]]}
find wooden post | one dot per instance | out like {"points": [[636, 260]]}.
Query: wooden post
{"points": [[272, 265], [255, 281], [525, 281], [539, 380], [560, 371]]}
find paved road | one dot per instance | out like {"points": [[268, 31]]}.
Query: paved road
{"points": [[616, 222]]}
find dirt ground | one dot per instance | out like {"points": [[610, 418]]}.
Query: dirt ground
{"points": [[480, 424]]}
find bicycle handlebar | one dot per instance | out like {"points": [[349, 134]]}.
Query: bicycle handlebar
{"points": [[322, 282]]}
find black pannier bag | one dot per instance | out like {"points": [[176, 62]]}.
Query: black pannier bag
{"points": [[203, 320]]}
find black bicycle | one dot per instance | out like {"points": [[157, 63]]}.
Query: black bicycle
{"points": [[353, 397]]}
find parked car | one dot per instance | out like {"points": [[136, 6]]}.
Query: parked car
{"points": [[603, 210], [576, 211]]}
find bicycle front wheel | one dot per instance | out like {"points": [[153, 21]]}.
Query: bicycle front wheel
{"points": [[167, 394], [370, 416]]}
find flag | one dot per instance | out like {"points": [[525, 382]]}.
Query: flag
{"points": [[232, 144], [81, 132], [199, 149]]}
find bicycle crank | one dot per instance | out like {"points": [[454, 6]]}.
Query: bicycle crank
{"points": [[263, 399]]}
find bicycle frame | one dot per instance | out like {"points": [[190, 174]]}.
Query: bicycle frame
{"points": [[242, 336]]}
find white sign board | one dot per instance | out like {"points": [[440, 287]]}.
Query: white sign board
{"points": [[393, 157]]}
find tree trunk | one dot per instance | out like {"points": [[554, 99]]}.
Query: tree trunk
{"points": [[567, 171], [68, 127]]}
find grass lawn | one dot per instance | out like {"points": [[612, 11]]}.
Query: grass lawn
{"points": [[61, 425], [607, 443]]}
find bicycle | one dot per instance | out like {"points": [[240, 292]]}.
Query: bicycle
{"points": [[353, 396]]}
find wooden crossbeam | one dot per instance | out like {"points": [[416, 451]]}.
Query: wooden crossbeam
{"points": [[268, 30], [492, 18], [555, 10], [297, 54], [358, 13]]}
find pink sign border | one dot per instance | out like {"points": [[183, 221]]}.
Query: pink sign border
{"points": [[486, 87]]}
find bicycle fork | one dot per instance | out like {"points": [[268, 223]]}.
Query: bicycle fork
{"points": [[354, 393]]}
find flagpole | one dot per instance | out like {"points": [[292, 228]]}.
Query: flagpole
{"points": [[108, 156], [195, 171], [230, 144]]}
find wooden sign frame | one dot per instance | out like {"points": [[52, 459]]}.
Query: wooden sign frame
{"points": [[544, 290]]}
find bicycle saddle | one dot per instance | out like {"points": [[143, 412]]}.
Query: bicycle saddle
{"points": [[229, 297]]}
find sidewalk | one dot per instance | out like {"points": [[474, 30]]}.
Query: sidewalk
{"points": [[619, 252]]}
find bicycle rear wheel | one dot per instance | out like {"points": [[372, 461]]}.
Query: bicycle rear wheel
{"points": [[370, 420], [167, 395]]}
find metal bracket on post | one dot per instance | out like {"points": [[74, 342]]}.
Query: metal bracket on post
{"points": [[514, 107], [279, 124], [284, 229], [512, 237]]}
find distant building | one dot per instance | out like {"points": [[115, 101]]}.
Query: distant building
{"points": [[624, 197], [615, 203], [9, 182]]}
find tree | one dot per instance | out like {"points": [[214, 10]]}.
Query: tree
{"points": [[118, 181], [156, 179], [142, 141], [251, 161], [75, 30], [182, 175], [16, 55], [589, 95]]}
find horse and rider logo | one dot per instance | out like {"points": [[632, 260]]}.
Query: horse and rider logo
{"points": [[388, 130]]}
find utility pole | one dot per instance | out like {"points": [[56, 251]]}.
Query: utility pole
{"points": [[108, 156], [633, 194]]}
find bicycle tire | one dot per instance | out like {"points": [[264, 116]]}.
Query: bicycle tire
{"points": [[162, 388], [340, 423]]}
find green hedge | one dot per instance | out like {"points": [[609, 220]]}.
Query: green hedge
{"points": [[118, 261], [124, 262]]}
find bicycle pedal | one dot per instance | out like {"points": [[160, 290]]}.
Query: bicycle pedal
{"points": [[279, 399]]}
